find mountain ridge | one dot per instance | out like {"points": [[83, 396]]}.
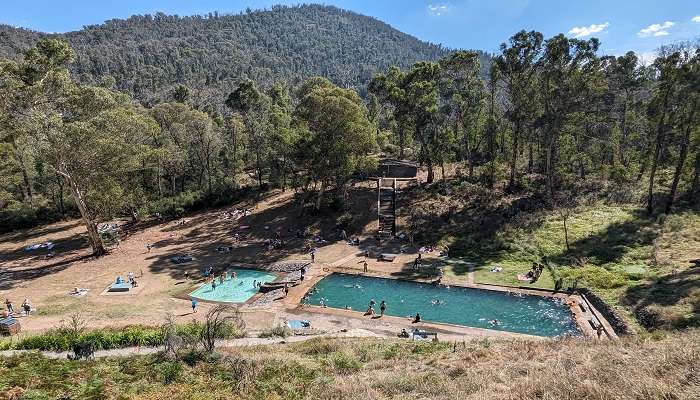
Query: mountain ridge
{"points": [[148, 55]]}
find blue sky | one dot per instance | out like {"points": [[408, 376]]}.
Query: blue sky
{"points": [[639, 25]]}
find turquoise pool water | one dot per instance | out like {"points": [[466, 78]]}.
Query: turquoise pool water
{"points": [[234, 290], [534, 315]]}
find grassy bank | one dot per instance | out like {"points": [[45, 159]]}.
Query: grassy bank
{"points": [[63, 339], [363, 368], [639, 265]]}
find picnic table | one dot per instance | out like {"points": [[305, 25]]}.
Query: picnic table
{"points": [[9, 326], [387, 257]]}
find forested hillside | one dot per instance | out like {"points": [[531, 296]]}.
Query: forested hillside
{"points": [[147, 55]]}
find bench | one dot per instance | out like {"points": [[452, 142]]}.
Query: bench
{"points": [[424, 335]]}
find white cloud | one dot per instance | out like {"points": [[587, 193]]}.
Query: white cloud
{"points": [[656, 29], [438, 9], [696, 18], [583, 31]]}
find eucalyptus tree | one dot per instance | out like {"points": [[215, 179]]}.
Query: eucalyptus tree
{"points": [[90, 136], [422, 90], [390, 89], [687, 120], [462, 93], [282, 136], [661, 108], [335, 135], [626, 79], [518, 66], [254, 107], [566, 68], [492, 124]]}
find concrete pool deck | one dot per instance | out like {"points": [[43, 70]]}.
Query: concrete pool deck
{"points": [[293, 304]]}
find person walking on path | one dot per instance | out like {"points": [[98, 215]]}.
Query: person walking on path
{"points": [[382, 308], [194, 305], [10, 308], [313, 255]]}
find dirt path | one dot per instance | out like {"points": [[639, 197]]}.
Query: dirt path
{"points": [[248, 341]]}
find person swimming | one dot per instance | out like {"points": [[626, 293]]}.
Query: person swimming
{"points": [[494, 322]]}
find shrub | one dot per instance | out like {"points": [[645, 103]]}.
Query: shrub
{"points": [[343, 362], [426, 348], [169, 371], [318, 346], [279, 331]]}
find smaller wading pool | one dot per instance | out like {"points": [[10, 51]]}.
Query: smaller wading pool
{"points": [[236, 290], [533, 315]]}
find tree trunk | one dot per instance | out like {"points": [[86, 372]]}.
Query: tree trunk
{"points": [[695, 187], [94, 238], [514, 156], [660, 133], [549, 167], [61, 203], [319, 199], [401, 140], [258, 167], [160, 181], [566, 235], [622, 146], [27, 192], [442, 167], [681, 159]]}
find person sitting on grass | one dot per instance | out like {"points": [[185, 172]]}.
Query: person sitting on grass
{"points": [[403, 333]]}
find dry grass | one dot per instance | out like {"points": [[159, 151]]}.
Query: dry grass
{"points": [[639, 368]]}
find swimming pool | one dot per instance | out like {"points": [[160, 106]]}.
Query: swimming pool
{"points": [[234, 290], [533, 315]]}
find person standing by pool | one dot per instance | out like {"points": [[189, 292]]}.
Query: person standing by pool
{"points": [[313, 255], [364, 266], [194, 305], [26, 306], [382, 308]]}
